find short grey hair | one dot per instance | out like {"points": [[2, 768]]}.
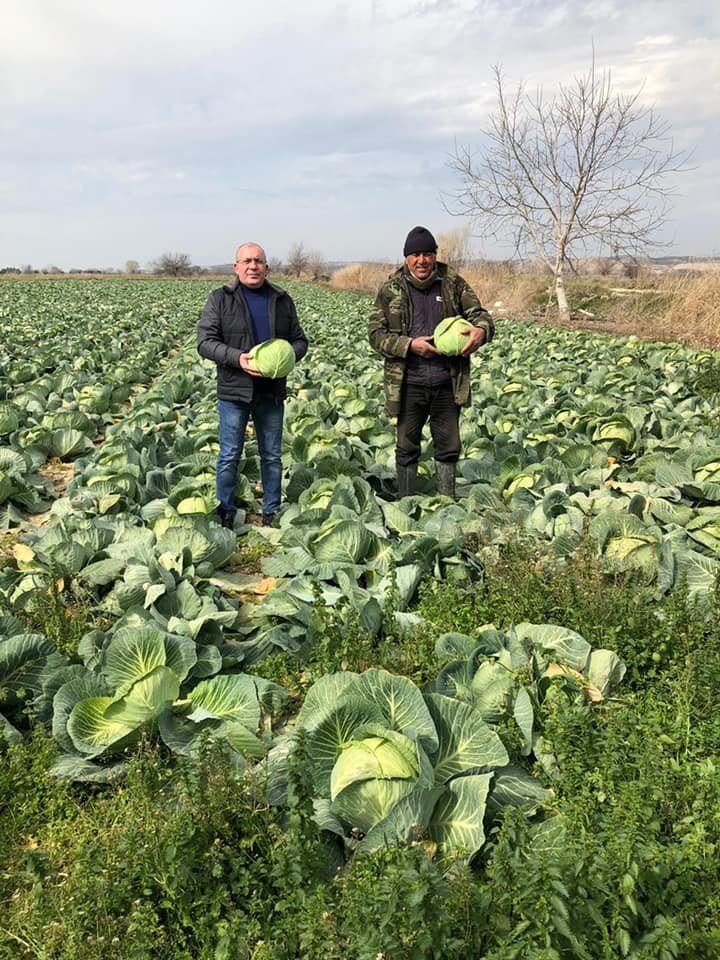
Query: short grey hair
{"points": [[249, 243]]}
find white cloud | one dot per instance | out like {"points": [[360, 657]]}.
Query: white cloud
{"points": [[664, 41]]}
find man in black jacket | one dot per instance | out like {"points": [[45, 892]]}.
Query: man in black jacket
{"points": [[236, 317]]}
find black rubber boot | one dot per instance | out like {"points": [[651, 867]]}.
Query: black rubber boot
{"points": [[407, 479], [445, 476], [227, 518]]}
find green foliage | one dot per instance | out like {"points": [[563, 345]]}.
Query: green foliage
{"points": [[247, 556], [392, 904], [521, 582], [217, 873], [340, 641], [707, 381], [642, 792], [62, 618], [8, 540], [387, 763], [202, 880], [29, 799]]}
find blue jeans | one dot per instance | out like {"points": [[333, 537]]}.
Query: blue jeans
{"points": [[267, 414]]}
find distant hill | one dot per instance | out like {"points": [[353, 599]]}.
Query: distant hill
{"points": [[684, 261]]}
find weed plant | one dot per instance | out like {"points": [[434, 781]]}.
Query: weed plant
{"points": [[248, 556], [61, 620], [707, 383], [183, 860]]}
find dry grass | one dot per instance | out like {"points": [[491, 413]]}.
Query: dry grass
{"points": [[361, 277], [683, 309], [662, 307], [503, 292]]}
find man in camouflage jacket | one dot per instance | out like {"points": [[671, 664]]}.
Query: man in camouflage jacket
{"points": [[420, 383]]}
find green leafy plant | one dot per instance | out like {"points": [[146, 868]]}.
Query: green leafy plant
{"points": [[133, 687], [391, 765]]}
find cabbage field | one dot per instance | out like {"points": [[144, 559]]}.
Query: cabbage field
{"points": [[408, 722]]}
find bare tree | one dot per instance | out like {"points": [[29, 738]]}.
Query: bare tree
{"points": [[132, 266], [316, 265], [297, 260], [172, 264], [584, 172], [454, 247], [275, 265]]}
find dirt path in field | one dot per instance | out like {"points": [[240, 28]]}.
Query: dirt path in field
{"points": [[59, 474]]}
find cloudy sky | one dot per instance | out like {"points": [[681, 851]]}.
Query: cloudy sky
{"points": [[130, 129]]}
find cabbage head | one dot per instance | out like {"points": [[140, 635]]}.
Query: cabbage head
{"points": [[273, 358], [373, 758], [371, 776], [449, 337]]}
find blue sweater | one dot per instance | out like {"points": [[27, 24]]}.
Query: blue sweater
{"points": [[257, 301]]}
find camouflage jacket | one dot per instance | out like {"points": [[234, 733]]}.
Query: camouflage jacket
{"points": [[390, 323]]}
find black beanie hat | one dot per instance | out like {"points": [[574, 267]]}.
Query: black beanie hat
{"points": [[419, 240]]}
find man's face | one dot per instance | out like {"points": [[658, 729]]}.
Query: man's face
{"points": [[251, 266], [421, 265]]}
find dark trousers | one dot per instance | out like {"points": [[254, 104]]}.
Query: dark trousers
{"points": [[419, 404]]}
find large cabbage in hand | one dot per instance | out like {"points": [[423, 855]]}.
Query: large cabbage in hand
{"points": [[450, 335], [273, 358]]}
